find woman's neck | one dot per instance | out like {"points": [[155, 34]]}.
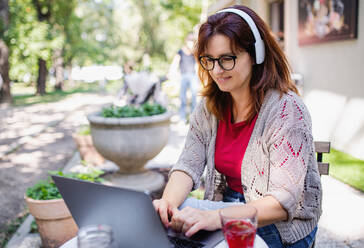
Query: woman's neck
{"points": [[241, 106]]}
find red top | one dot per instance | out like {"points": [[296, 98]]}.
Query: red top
{"points": [[231, 142]]}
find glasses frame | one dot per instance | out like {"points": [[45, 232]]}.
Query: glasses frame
{"points": [[218, 61]]}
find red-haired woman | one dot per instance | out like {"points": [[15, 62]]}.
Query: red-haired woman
{"points": [[251, 133]]}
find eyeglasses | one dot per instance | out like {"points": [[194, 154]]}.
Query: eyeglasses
{"points": [[226, 62]]}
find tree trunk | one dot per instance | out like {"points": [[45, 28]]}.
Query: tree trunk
{"points": [[5, 95], [58, 69], [42, 77]]}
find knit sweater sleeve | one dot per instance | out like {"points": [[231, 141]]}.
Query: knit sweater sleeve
{"points": [[290, 145], [192, 160]]}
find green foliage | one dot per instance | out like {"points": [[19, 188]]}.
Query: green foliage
{"points": [[133, 111], [8, 230], [198, 194], [22, 96], [96, 32], [43, 190], [47, 190], [33, 227], [155, 30], [346, 168], [84, 130]]}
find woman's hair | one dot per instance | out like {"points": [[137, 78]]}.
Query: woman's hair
{"points": [[273, 73]]}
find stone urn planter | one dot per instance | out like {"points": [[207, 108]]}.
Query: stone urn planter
{"points": [[130, 142], [54, 221]]}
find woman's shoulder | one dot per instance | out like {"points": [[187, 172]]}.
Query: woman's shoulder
{"points": [[275, 100], [284, 107], [275, 96], [201, 112]]}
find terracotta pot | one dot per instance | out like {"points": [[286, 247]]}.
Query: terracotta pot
{"points": [[55, 223], [87, 149]]}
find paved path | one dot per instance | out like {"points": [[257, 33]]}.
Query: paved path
{"points": [[341, 225], [42, 135], [342, 220]]}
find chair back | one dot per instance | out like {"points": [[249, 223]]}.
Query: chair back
{"points": [[320, 148]]}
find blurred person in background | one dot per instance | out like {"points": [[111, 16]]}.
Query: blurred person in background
{"points": [[189, 81], [251, 133]]}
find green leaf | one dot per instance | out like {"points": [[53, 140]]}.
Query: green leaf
{"points": [[47, 190], [146, 109]]}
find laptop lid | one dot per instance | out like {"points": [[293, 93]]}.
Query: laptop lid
{"points": [[131, 214]]}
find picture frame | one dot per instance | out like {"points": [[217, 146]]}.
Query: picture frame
{"points": [[322, 21]]}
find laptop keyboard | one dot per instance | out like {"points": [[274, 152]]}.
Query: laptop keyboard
{"points": [[184, 243]]}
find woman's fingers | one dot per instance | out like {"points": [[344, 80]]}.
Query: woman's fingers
{"points": [[184, 219], [190, 221], [194, 229], [176, 221], [162, 207]]}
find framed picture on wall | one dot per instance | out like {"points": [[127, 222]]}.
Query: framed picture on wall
{"points": [[327, 20]]}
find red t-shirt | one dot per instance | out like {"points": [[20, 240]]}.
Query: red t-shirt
{"points": [[231, 142]]}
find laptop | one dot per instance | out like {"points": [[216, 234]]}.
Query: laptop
{"points": [[129, 213]]}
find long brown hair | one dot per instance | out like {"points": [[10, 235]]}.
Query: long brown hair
{"points": [[273, 73]]}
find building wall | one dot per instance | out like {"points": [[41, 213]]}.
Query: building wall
{"points": [[333, 83], [333, 77]]}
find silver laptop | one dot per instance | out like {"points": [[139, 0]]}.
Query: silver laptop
{"points": [[131, 215]]}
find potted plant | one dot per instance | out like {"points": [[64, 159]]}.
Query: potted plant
{"points": [[130, 135], [45, 203], [85, 146]]}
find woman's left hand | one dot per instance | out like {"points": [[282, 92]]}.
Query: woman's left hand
{"points": [[190, 220]]}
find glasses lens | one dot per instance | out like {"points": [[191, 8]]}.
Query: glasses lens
{"points": [[227, 62], [207, 63]]}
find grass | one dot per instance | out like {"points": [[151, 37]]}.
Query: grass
{"points": [[346, 168], [7, 232], [25, 95], [198, 194]]}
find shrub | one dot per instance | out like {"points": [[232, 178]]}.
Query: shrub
{"points": [[47, 190], [133, 111]]}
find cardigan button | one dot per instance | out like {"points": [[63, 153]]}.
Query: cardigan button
{"points": [[245, 188]]}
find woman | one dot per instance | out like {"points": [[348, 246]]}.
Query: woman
{"points": [[252, 134]]}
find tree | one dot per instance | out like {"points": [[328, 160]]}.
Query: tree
{"points": [[156, 30], [5, 95], [62, 16], [43, 8]]}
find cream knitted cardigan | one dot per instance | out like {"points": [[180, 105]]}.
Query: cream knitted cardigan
{"points": [[279, 161]]}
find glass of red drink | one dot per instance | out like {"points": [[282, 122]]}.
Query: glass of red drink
{"points": [[239, 225]]}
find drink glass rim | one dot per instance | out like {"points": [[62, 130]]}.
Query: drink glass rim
{"points": [[243, 212]]}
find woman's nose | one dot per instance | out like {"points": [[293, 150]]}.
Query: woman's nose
{"points": [[217, 68]]}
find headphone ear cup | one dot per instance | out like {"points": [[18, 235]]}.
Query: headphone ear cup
{"points": [[259, 44], [259, 52]]}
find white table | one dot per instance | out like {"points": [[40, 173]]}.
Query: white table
{"points": [[259, 243]]}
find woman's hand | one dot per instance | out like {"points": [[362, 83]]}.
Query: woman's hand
{"points": [[190, 220], [165, 210]]}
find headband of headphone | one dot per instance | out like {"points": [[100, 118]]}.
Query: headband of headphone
{"points": [[259, 44]]}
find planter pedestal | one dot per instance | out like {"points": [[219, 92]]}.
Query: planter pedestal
{"points": [[147, 181]]}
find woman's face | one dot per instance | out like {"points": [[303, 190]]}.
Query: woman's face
{"points": [[235, 81]]}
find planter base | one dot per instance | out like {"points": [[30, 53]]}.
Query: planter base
{"points": [[150, 181]]}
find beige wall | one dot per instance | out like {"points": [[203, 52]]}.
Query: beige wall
{"points": [[333, 79], [333, 83]]}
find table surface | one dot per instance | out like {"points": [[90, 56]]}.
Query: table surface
{"points": [[259, 243]]}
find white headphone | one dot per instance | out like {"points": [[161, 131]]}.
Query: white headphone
{"points": [[259, 44]]}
